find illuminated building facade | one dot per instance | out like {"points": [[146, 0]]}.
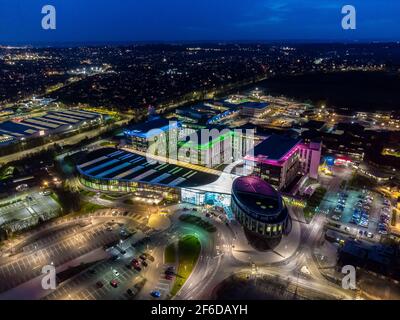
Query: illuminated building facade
{"points": [[158, 136], [258, 207], [279, 159], [212, 148], [275, 160]]}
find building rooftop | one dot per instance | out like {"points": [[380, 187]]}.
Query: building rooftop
{"points": [[49, 121], [143, 129], [259, 198], [275, 147], [113, 164], [253, 184]]}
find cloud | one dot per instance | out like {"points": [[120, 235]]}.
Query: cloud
{"points": [[277, 6], [261, 22]]}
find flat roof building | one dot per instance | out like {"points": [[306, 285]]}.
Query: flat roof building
{"points": [[279, 159], [160, 134], [275, 160], [55, 121]]}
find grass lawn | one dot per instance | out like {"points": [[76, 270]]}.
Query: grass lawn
{"points": [[170, 253], [313, 203], [88, 193], [107, 144], [88, 207], [6, 173], [188, 252], [111, 197], [7, 203], [55, 198]]}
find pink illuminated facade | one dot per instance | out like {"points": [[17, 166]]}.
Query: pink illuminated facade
{"points": [[279, 160], [310, 158]]}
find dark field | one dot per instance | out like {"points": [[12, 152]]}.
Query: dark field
{"points": [[348, 91]]}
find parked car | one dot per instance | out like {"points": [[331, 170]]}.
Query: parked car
{"points": [[115, 272], [156, 294], [114, 283], [135, 262]]}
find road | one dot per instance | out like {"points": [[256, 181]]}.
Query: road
{"points": [[215, 264], [213, 268]]}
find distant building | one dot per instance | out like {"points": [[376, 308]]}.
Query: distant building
{"points": [[52, 122], [253, 109], [279, 159]]}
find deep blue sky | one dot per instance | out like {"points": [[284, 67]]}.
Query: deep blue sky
{"points": [[192, 20]]}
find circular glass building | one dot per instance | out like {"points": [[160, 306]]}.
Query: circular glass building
{"points": [[259, 207]]}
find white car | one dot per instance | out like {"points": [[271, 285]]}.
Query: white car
{"points": [[116, 273]]}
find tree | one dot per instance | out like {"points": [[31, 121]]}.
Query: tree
{"points": [[3, 234], [70, 201]]}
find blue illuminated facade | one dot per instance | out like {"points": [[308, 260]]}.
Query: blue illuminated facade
{"points": [[160, 131]]}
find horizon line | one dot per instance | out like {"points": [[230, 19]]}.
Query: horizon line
{"points": [[181, 42]]}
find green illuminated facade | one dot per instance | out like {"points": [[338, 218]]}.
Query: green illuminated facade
{"points": [[212, 150]]}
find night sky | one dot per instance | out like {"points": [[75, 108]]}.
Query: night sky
{"points": [[196, 20]]}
